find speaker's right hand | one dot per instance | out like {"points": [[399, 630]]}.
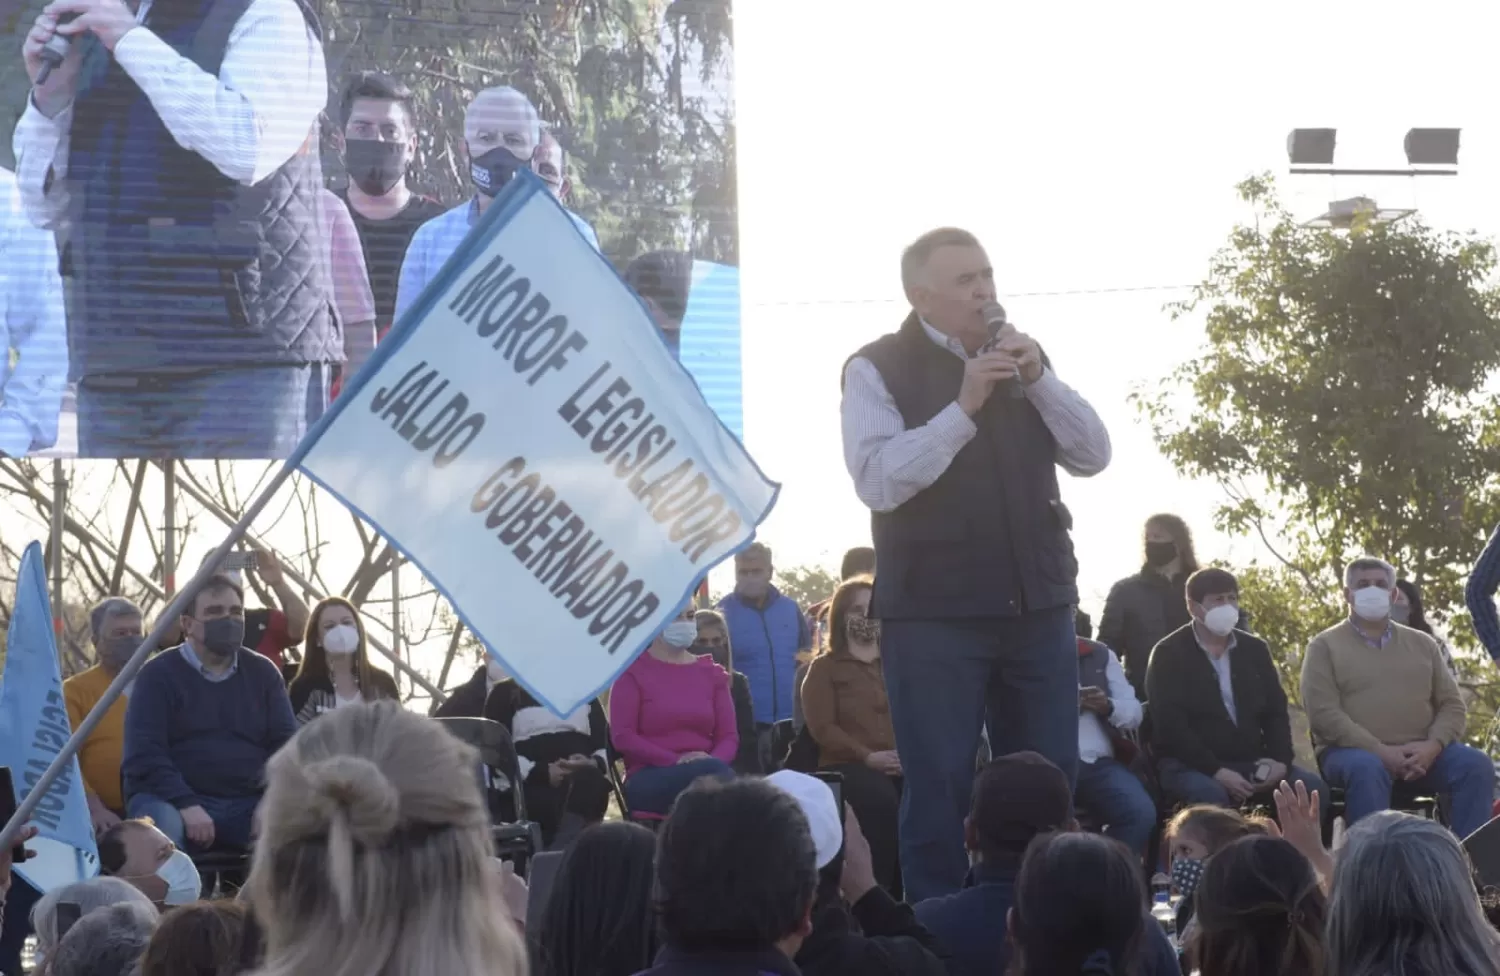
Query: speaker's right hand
{"points": [[53, 95]]}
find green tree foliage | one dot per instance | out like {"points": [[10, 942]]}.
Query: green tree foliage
{"points": [[636, 91], [806, 584], [1341, 404]]}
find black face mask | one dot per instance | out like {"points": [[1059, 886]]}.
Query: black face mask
{"points": [[114, 653], [1160, 553], [224, 635], [494, 169], [375, 166]]}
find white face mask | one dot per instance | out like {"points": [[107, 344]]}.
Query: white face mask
{"points": [[496, 671], [184, 886], [343, 639], [1372, 603], [680, 633], [1221, 619]]}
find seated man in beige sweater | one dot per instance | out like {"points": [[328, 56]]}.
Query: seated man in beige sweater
{"points": [[1384, 707]]}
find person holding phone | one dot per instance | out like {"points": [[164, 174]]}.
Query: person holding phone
{"points": [[672, 719], [849, 716], [564, 761], [1220, 728]]}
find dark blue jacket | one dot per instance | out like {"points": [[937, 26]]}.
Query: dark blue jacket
{"points": [[971, 925], [187, 737], [676, 962], [173, 265], [765, 641]]}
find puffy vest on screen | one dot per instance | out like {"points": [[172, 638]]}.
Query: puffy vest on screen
{"points": [[170, 264], [765, 644], [989, 537]]}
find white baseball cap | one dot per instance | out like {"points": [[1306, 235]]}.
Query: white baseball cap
{"points": [[824, 817]]}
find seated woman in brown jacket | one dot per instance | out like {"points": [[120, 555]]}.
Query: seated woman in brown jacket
{"points": [[849, 716]]}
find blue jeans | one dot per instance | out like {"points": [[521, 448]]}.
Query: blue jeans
{"points": [[259, 413], [945, 681], [1117, 799], [1185, 785], [1464, 775], [653, 789], [232, 819]]}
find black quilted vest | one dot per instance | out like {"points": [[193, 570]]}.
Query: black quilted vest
{"points": [[989, 537], [171, 265]]}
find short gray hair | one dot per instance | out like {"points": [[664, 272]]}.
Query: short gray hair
{"points": [[1368, 562], [755, 550], [917, 253], [107, 943], [1404, 897], [110, 606], [90, 896], [533, 117]]}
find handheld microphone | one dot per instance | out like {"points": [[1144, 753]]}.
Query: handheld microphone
{"points": [[995, 320], [53, 53]]}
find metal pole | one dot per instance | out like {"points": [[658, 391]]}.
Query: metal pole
{"points": [[128, 672], [213, 508], [396, 641], [169, 527], [137, 482], [453, 642], [59, 505]]}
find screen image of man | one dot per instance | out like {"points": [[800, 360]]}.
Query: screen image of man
{"points": [[502, 132], [953, 437], [550, 164], [663, 280], [33, 330], [169, 149], [380, 141]]}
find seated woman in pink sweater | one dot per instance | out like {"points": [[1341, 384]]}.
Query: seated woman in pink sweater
{"points": [[672, 719]]}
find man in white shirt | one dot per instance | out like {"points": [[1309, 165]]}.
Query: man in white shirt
{"points": [[169, 149], [953, 434], [1113, 797], [33, 331], [502, 132]]}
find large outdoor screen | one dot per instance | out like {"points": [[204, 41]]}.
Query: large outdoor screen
{"points": [[190, 284]]}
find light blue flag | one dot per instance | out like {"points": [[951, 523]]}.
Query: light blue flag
{"points": [[33, 727], [710, 344], [527, 438]]}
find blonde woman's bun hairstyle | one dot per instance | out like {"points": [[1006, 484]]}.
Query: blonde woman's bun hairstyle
{"points": [[374, 857]]}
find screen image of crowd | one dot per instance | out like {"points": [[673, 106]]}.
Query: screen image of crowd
{"points": [[733, 804], [218, 209]]}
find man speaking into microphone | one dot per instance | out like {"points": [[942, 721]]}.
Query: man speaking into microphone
{"points": [[168, 145], [953, 427]]}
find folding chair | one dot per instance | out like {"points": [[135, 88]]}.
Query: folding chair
{"points": [[514, 836]]}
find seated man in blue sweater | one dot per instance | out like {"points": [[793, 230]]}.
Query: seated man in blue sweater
{"points": [[1016, 797], [202, 721]]}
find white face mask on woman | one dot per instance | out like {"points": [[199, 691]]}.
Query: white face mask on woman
{"points": [[342, 639], [680, 633]]}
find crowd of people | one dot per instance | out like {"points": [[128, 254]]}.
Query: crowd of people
{"points": [[279, 288], [936, 769]]}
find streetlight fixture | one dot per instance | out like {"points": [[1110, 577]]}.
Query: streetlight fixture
{"points": [[1429, 152], [1344, 214]]}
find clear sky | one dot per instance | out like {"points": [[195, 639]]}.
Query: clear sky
{"points": [[1094, 148]]}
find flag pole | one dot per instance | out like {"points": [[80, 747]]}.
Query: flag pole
{"points": [[128, 672]]}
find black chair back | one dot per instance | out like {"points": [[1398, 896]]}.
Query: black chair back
{"points": [[497, 753]]}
